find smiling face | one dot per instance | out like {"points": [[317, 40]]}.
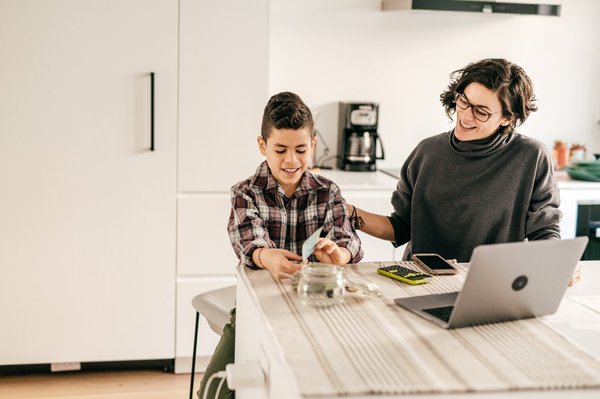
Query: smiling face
{"points": [[288, 153], [470, 128]]}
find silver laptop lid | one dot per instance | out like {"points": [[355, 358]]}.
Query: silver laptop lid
{"points": [[516, 280]]}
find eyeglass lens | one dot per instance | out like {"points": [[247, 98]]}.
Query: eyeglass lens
{"points": [[478, 113]]}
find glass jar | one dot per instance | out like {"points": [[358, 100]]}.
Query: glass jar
{"points": [[321, 285]]}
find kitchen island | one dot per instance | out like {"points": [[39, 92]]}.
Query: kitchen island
{"points": [[348, 349]]}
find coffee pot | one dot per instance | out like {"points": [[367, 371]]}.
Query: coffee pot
{"points": [[358, 137]]}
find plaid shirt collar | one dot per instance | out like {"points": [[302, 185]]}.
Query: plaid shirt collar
{"points": [[264, 179]]}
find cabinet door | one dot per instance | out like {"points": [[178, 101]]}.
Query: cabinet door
{"points": [[203, 246], [87, 231], [375, 202], [223, 91]]}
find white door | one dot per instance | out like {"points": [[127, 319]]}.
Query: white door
{"points": [[223, 91], [87, 210], [223, 81]]}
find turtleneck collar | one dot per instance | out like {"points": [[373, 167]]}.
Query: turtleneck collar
{"points": [[479, 148]]}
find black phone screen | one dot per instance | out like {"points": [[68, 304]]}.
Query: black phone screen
{"points": [[435, 262]]}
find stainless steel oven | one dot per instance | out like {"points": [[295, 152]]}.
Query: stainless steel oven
{"points": [[588, 224]]}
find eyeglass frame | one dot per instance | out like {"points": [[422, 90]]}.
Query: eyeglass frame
{"points": [[469, 105]]}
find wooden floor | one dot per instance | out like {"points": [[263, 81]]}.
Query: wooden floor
{"points": [[145, 384]]}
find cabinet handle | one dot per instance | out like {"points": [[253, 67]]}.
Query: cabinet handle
{"points": [[151, 111]]}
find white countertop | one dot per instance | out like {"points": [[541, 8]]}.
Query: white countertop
{"points": [[565, 182], [380, 181], [370, 181]]}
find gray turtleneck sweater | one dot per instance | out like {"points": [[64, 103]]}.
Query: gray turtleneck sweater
{"points": [[453, 196]]}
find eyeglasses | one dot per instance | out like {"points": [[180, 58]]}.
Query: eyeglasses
{"points": [[480, 114]]}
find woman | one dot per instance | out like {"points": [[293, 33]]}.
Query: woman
{"points": [[479, 183]]}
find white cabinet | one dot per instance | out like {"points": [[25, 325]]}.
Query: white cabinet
{"points": [[375, 202], [571, 195], [203, 246], [223, 89], [87, 211]]}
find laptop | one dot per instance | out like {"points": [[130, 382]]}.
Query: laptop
{"points": [[505, 282]]}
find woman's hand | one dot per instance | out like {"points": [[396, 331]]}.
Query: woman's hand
{"points": [[371, 223], [576, 277], [327, 251]]}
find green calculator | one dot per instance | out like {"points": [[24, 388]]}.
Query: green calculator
{"points": [[404, 274]]}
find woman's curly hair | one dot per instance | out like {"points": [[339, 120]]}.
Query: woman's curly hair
{"points": [[514, 88]]}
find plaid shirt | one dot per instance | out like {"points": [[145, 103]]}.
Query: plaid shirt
{"points": [[263, 216]]}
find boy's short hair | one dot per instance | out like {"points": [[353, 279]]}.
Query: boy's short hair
{"points": [[514, 88], [286, 110]]}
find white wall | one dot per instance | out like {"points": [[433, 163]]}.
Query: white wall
{"points": [[346, 50]]}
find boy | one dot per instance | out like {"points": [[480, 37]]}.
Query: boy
{"points": [[277, 209]]}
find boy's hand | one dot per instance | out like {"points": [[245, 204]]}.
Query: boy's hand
{"points": [[280, 262], [327, 251]]}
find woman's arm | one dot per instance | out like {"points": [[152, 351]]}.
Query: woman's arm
{"points": [[543, 215], [373, 224]]}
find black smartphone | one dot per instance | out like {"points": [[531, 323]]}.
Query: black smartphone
{"points": [[434, 264]]}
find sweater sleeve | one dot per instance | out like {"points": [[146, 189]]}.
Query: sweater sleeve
{"points": [[402, 202], [543, 215]]}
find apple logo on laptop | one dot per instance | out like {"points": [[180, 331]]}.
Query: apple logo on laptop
{"points": [[519, 283]]}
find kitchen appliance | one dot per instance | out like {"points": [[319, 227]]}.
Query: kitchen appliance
{"points": [[359, 140], [588, 224], [481, 6]]}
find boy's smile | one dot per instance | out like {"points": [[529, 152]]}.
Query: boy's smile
{"points": [[288, 153]]}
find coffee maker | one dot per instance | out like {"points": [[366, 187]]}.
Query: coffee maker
{"points": [[358, 137]]}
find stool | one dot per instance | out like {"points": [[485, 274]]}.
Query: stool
{"points": [[215, 306]]}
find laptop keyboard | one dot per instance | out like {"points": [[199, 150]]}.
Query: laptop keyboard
{"points": [[442, 313]]}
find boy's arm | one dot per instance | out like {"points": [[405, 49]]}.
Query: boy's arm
{"points": [[342, 233], [246, 229], [250, 238]]}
